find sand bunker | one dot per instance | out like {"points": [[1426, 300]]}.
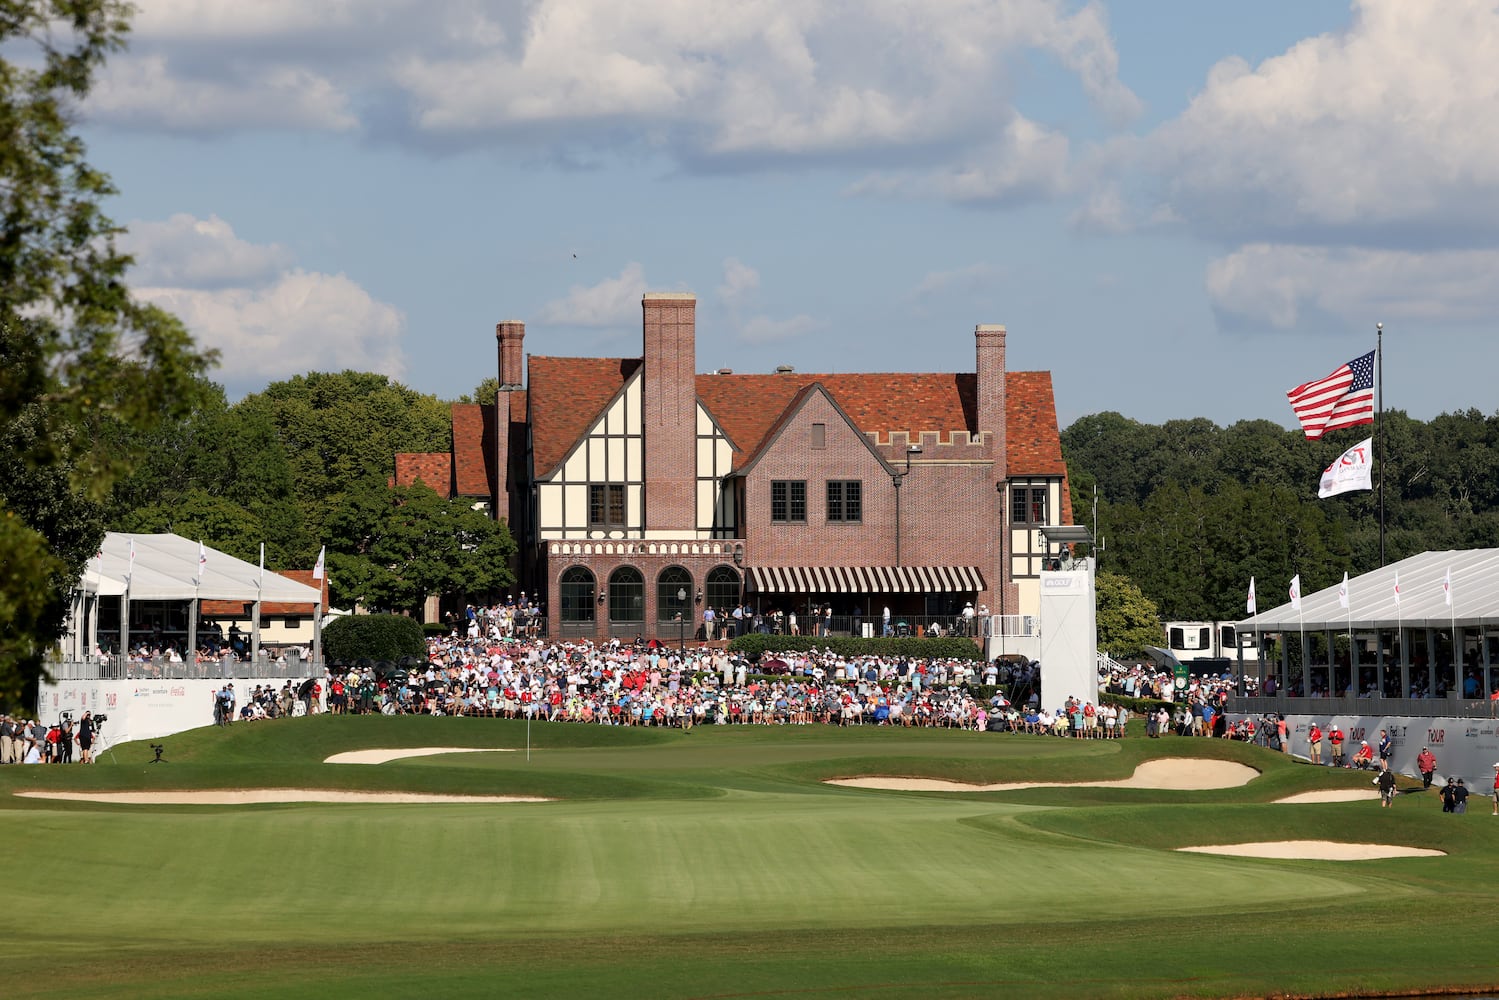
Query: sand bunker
{"points": [[1333, 795], [1315, 850], [385, 756], [251, 796], [1175, 774]]}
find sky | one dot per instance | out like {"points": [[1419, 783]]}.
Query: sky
{"points": [[1181, 209]]}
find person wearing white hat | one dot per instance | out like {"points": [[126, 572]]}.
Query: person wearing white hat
{"points": [[1364, 758], [1496, 788]]}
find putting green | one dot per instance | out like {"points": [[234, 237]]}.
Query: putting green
{"points": [[711, 864]]}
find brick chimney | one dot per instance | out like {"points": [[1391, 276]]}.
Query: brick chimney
{"points": [[989, 342], [511, 335], [669, 399]]}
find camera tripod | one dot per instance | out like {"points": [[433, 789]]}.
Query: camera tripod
{"points": [[101, 746], [158, 748]]}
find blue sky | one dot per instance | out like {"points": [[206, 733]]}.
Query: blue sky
{"points": [[1179, 208]]}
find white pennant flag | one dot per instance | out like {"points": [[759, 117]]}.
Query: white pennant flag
{"points": [[202, 560], [1296, 592], [317, 570], [1447, 587], [1397, 588], [262, 565], [1354, 470], [1343, 591], [131, 571], [1250, 605]]}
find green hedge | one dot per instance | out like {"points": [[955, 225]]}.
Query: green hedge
{"points": [[374, 637], [435, 630], [757, 644]]}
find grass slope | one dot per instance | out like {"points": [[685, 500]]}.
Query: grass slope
{"points": [[716, 863]]}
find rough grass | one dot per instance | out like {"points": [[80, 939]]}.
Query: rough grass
{"points": [[716, 863]]}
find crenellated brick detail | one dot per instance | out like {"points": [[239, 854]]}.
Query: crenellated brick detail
{"points": [[669, 420]]}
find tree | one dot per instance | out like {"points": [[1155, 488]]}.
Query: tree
{"points": [[373, 637], [1127, 619], [396, 549], [83, 365]]}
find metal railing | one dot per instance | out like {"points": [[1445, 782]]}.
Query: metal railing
{"points": [[290, 667]]}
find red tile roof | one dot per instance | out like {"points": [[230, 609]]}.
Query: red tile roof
{"points": [[435, 470], [566, 395], [473, 450], [1034, 447], [242, 609]]}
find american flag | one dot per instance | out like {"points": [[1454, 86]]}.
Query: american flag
{"points": [[1343, 399]]}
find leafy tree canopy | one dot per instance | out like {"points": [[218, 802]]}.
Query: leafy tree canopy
{"points": [[84, 367]]}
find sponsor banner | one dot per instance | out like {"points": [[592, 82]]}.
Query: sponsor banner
{"points": [[142, 709], [1464, 748]]}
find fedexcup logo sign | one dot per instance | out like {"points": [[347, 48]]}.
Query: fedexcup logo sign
{"points": [[1057, 582]]}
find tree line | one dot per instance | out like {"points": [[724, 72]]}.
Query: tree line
{"points": [[1189, 511]]}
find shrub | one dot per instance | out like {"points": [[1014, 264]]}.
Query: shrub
{"points": [[435, 630], [756, 645], [374, 637]]}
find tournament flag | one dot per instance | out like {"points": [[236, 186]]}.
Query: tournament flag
{"points": [[1343, 591], [131, 571], [1343, 399], [1354, 470], [1296, 592], [317, 570], [1447, 587], [1250, 605], [202, 560], [262, 566], [1397, 588]]}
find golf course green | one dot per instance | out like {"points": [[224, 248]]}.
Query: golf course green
{"points": [[720, 863]]}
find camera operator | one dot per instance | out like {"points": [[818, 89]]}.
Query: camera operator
{"points": [[86, 729], [65, 740]]}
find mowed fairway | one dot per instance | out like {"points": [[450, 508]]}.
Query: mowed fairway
{"points": [[719, 864]]}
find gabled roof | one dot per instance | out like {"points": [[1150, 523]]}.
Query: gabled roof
{"points": [[566, 396], [797, 402]]}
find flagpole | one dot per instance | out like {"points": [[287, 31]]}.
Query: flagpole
{"points": [[1379, 426]]}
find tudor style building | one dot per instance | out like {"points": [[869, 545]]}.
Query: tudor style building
{"points": [[641, 492]]}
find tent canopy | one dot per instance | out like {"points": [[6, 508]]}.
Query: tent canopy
{"points": [[166, 569], [1422, 602]]}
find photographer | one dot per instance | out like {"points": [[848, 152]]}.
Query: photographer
{"points": [[86, 730]]}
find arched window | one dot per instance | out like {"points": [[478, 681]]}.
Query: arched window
{"points": [[674, 581], [577, 595], [722, 588], [626, 596]]}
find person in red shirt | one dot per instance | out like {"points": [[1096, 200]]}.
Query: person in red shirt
{"points": [[1364, 757], [1496, 789], [1314, 745], [1426, 764], [1335, 737]]}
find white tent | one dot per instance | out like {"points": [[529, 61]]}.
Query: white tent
{"points": [[172, 568], [166, 569], [1422, 602]]}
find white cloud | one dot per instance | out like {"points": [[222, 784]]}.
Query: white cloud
{"points": [[1383, 133], [708, 82], [188, 252], [1027, 162], [611, 302], [1284, 287], [266, 318], [739, 281], [148, 92], [972, 278], [765, 330]]}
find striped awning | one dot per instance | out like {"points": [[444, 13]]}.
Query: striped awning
{"points": [[865, 579]]}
